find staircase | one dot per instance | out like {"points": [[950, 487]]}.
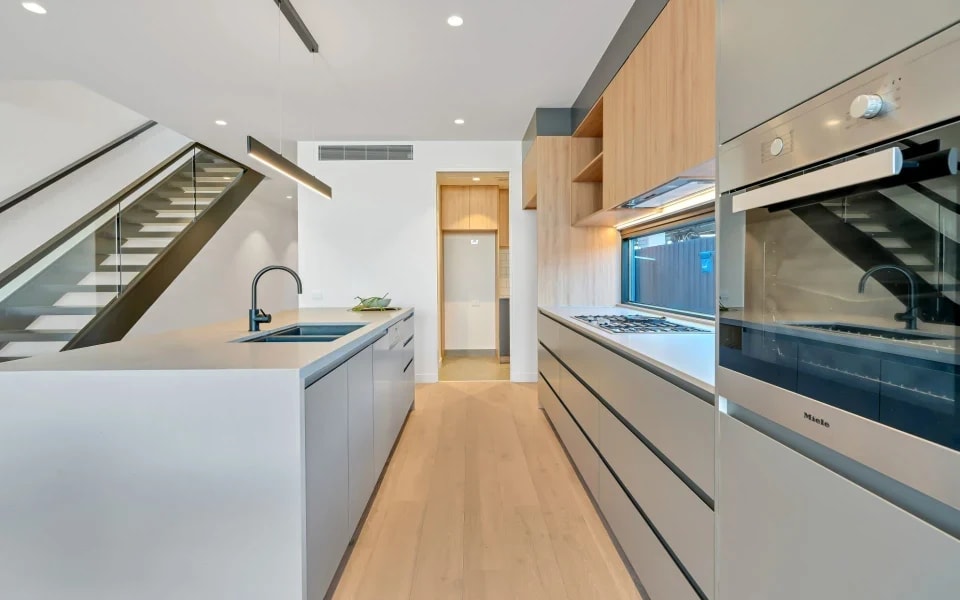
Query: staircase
{"points": [[55, 297], [872, 229], [909, 239]]}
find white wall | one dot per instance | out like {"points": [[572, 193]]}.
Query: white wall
{"points": [[215, 286], [31, 223], [379, 234], [470, 291], [47, 125]]}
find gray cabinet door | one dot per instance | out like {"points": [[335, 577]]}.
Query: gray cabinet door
{"points": [[774, 54], [362, 469], [791, 529], [383, 393], [326, 420]]}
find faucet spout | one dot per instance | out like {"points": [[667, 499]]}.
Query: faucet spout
{"points": [[912, 314], [257, 315]]}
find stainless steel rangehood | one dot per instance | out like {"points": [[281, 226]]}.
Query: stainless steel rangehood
{"points": [[671, 191]]}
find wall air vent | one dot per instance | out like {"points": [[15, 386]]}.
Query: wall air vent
{"points": [[378, 152]]}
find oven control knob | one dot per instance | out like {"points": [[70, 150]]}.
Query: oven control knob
{"points": [[866, 106]]}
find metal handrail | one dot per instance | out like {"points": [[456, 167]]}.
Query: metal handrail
{"points": [[73, 167], [29, 260]]}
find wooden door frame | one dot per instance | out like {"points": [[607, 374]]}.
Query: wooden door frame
{"points": [[441, 329]]}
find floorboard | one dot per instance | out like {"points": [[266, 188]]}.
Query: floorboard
{"points": [[479, 502]]}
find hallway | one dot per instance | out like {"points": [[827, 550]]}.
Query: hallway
{"points": [[480, 502]]}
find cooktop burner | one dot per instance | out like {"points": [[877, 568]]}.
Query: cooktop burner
{"points": [[636, 324]]}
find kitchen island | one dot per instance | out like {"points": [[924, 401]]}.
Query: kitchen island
{"points": [[195, 465]]}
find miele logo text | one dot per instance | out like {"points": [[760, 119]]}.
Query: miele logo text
{"points": [[814, 419]]}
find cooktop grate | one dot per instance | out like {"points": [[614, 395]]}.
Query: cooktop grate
{"points": [[637, 324]]}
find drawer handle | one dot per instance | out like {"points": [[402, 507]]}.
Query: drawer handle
{"points": [[408, 365], [408, 317], [407, 343]]}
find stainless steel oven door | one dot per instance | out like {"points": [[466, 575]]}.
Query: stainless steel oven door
{"points": [[846, 326]]}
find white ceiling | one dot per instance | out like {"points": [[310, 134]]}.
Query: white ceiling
{"points": [[387, 69]]}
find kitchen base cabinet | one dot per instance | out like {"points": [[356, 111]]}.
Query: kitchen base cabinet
{"points": [[394, 387], [663, 523], [353, 416], [383, 393], [363, 472], [659, 575], [791, 529], [326, 426], [678, 424], [681, 517], [582, 454]]}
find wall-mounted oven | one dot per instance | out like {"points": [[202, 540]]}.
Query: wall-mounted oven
{"points": [[840, 228]]}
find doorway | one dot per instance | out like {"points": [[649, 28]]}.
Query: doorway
{"points": [[474, 290]]}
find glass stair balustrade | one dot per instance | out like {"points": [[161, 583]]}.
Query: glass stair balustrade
{"points": [[52, 300]]}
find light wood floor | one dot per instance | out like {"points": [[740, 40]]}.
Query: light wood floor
{"points": [[480, 502], [473, 368]]}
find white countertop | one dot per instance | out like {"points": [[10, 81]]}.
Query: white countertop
{"points": [[690, 357], [211, 348]]}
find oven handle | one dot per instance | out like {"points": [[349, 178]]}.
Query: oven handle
{"points": [[887, 163]]}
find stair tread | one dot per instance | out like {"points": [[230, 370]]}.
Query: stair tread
{"points": [[36, 311], [66, 288], [29, 335]]}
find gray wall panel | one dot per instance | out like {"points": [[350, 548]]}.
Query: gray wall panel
{"points": [[774, 54]]}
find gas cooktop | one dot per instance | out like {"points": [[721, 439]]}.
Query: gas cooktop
{"points": [[636, 324]]}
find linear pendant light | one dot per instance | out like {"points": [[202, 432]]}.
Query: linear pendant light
{"points": [[261, 152], [293, 17]]}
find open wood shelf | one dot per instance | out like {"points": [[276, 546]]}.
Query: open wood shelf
{"points": [[592, 124], [591, 173]]}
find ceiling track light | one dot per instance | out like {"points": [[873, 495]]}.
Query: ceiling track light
{"points": [[293, 17], [261, 152]]}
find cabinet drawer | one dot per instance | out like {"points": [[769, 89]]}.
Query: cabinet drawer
{"points": [[654, 567], [680, 425], [406, 328], [548, 400], [681, 517], [549, 367], [584, 457], [548, 332], [584, 407]]}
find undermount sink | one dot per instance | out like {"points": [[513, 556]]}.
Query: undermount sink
{"points": [[879, 332], [309, 333]]}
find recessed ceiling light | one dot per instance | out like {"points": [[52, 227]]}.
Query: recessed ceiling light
{"points": [[220, 122], [455, 21], [458, 121], [289, 197], [34, 8], [476, 179]]}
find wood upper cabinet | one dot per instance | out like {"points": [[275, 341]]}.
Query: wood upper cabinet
{"points": [[659, 115], [530, 178], [468, 207], [504, 219], [484, 204], [455, 207]]}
